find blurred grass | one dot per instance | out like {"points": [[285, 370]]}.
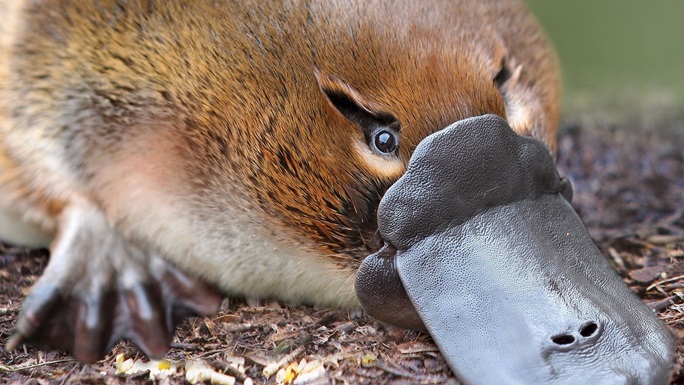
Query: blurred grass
{"points": [[622, 52]]}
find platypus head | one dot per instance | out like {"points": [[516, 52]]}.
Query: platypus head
{"points": [[474, 238], [483, 248]]}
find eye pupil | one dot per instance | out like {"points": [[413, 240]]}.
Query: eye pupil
{"points": [[385, 142]]}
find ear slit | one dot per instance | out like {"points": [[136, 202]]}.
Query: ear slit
{"points": [[503, 75], [349, 108], [352, 106]]}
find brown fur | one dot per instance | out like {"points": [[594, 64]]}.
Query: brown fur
{"points": [[218, 103]]}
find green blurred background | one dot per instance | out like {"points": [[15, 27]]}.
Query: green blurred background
{"points": [[620, 51]]}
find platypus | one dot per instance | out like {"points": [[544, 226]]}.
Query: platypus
{"points": [[390, 155]]}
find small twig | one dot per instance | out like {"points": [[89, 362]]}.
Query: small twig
{"points": [[8, 369], [665, 239], [239, 328], [661, 305], [665, 281], [420, 349], [184, 346], [215, 351], [401, 373], [66, 377], [273, 367], [617, 258], [263, 310]]}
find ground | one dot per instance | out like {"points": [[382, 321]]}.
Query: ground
{"points": [[628, 177]]}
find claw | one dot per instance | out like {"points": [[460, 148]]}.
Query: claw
{"points": [[98, 289], [93, 322], [35, 310]]}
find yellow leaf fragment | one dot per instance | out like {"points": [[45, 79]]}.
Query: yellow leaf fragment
{"points": [[164, 365], [198, 372], [309, 371], [280, 376], [273, 367], [157, 369], [291, 372], [368, 359]]}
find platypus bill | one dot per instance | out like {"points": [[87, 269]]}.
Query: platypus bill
{"points": [[394, 155]]}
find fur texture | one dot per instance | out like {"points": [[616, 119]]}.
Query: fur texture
{"points": [[201, 131]]}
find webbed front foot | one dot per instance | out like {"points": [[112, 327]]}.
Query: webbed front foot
{"points": [[99, 288]]}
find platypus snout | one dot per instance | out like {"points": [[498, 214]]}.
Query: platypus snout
{"points": [[485, 252]]}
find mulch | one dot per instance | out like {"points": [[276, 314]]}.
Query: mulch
{"points": [[628, 180]]}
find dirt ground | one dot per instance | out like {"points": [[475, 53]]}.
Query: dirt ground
{"points": [[628, 179]]}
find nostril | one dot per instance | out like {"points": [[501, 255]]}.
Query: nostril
{"points": [[589, 329], [586, 334], [563, 339]]}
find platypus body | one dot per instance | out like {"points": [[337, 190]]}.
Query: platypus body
{"points": [[394, 155]]}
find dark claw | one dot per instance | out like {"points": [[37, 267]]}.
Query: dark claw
{"points": [[36, 310], [88, 327], [144, 322], [94, 322], [99, 289], [190, 295]]}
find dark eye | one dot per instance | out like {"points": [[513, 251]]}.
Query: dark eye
{"points": [[379, 129], [385, 141]]}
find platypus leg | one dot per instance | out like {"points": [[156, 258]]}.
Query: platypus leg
{"points": [[99, 288]]}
